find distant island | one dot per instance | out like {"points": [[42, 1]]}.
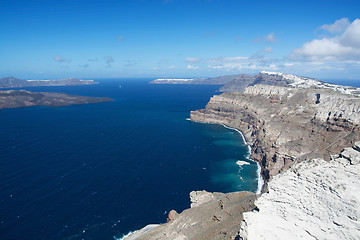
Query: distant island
{"points": [[201, 81], [23, 98], [11, 82], [238, 83]]}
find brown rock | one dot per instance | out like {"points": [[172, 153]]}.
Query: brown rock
{"points": [[172, 216]]}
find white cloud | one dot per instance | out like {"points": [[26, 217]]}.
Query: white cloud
{"points": [[338, 48], [192, 67], [351, 36], [242, 63], [192, 59], [227, 59], [270, 38], [121, 38], [289, 64], [337, 27], [172, 67]]}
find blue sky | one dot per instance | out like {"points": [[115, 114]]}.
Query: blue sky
{"points": [[178, 38]]}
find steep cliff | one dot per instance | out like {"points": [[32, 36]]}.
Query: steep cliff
{"points": [[284, 125]]}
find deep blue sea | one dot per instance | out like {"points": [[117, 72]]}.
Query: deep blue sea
{"points": [[101, 170]]}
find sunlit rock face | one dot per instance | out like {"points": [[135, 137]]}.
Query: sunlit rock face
{"points": [[284, 125], [315, 199]]}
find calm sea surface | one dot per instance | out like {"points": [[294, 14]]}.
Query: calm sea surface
{"points": [[101, 170]]}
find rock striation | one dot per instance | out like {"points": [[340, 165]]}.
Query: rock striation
{"points": [[211, 216], [284, 125], [23, 98], [315, 199]]}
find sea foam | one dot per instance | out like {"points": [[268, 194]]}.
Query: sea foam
{"points": [[258, 171]]}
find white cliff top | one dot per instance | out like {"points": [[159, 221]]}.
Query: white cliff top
{"points": [[305, 82], [312, 200]]}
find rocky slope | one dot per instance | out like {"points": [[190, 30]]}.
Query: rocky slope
{"points": [[22, 98], [315, 199], [284, 125], [11, 82], [211, 216]]}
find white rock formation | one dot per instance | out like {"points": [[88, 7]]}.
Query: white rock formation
{"points": [[312, 200]]}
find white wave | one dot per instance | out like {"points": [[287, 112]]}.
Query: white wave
{"points": [[258, 171], [124, 236]]}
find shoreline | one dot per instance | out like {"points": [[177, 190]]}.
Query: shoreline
{"points": [[260, 178], [258, 171]]}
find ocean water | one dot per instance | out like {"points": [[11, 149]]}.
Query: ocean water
{"points": [[101, 170]]}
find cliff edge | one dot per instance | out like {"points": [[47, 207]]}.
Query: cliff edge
{"points": [[284, 125]]}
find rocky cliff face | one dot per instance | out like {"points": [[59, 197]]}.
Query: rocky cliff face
{"points": [[315, 199], [284, 125]]}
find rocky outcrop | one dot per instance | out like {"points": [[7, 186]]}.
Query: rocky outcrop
{"points": [[11, 82], [22, 98], [211, 216], [284, 125], [315, 199]]}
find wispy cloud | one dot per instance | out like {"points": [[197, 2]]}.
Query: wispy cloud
{"points": [[257, 61], [121, 38], [270, 37], [192, 67], [93, 60], [337, 27], [268, 49], [60, 59], [343, 46], [109, 60], [172, 67]]}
